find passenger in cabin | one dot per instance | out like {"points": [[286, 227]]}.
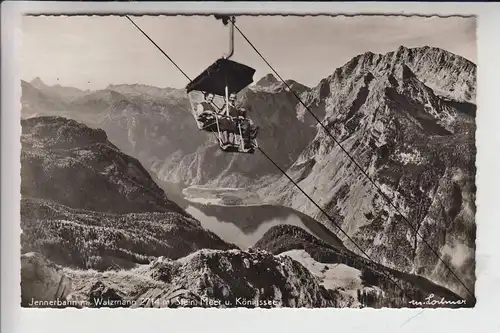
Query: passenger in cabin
{"points": [[228, 123], [239, 114], [207, 108], [234, 111]]}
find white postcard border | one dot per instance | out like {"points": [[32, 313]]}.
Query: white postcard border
{"points": [[483, 318]]}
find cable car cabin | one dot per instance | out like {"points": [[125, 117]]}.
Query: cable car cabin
{"points": [[213, 95]]}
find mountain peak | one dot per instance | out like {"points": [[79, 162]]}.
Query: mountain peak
{"points": [[448, 74], [37, 82], [401, 49], [267, 80]]}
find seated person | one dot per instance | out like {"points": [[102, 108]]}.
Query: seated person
{"points": [[228, 124], [239, 115], [234, 111], [207, 108]]}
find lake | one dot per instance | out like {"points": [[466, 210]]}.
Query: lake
{"points": [[241, 224]]}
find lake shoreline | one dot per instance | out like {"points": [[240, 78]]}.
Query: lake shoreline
{"points": [[241, 223]]}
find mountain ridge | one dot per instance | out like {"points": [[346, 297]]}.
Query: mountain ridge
{"points": [[382, 112]]}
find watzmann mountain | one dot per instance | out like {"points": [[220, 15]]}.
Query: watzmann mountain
{"points": [[415, 142]]}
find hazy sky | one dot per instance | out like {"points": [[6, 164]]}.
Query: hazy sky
{"points": [[110, 50]]}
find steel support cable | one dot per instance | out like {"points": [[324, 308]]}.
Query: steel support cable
{"points": [[159, 48], [357, 165], [283, 172]]}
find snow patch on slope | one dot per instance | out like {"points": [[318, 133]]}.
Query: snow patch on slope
{"points": [[410, 156], [331, 276]]}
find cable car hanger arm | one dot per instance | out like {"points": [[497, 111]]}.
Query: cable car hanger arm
{"points": [[225, 20]]}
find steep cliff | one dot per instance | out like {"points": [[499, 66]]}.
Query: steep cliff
{"points": [[416, 142]]}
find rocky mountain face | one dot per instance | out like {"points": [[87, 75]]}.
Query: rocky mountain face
{"points": [[85, 204], [211, 278], [69, 163], [151, 123], [408, 119]]}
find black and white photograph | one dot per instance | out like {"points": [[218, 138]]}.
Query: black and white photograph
{"points": [[245, 161]]}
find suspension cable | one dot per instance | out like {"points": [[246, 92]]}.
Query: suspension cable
{"points": [[357, 164], [159, 48], [283, 172]]}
